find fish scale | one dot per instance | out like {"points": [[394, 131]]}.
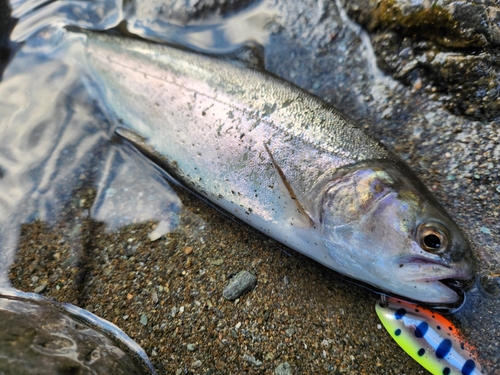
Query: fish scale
{"points": [[283, 161]]}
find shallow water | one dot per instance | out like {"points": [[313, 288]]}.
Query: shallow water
{"points": [[51, 107]]}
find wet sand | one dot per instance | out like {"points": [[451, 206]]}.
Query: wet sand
{"points": [[167, 295]]}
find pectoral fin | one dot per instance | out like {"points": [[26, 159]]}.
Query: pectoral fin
{"points": [[141, 144], [297, 213]]}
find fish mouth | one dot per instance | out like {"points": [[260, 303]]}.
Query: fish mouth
{"points": [[420, 269], [453, 281]]}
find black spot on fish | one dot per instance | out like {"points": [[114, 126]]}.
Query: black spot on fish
{"points": [[400, 313], [397, 332], [443, 349], [446, 371], [439, 328], [421, 330], [421, 352], [468, 367]]}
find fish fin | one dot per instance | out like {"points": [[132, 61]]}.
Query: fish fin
{"points": [[304, 215], [141, 144]]}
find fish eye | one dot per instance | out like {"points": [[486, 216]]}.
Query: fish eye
{"points": [[432, 237]]}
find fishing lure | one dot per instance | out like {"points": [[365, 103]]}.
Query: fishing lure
{"points": [[429, 338]]}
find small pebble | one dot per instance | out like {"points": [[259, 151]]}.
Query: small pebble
{"points": [[283, 369], [217, 262], [190, 347], [252, 360], [238, 285], [144, 319], [40, 288], [485, 230], [154, 297], [196, 364]]}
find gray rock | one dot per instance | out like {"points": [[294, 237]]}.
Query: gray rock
{"points": [[39, 336], [283, 369], [452, 45], [243, 282]]}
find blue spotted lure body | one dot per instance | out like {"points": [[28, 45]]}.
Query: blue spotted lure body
{"points": [[429, 338]]}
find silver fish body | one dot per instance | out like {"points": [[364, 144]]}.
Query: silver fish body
{"points": [[285, 162]]}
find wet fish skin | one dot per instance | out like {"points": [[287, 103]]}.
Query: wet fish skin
{"points": [[285, 162]]}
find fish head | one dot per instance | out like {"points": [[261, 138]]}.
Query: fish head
{"points": [[382, 226]]}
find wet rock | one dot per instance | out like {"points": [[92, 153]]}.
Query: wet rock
{"points": [[454, 24], [239, 284], [39, 337], [489, 285], [450, 46], [182, 12], [283, 369]]}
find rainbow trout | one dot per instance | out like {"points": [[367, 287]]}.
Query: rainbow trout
{"points": [[284, 162]]}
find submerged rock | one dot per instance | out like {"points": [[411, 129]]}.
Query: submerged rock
{"points": [[41, 337]]}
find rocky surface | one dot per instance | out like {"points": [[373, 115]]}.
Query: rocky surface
{"points": [[183, 12], [39, 338], [452, 45]]}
